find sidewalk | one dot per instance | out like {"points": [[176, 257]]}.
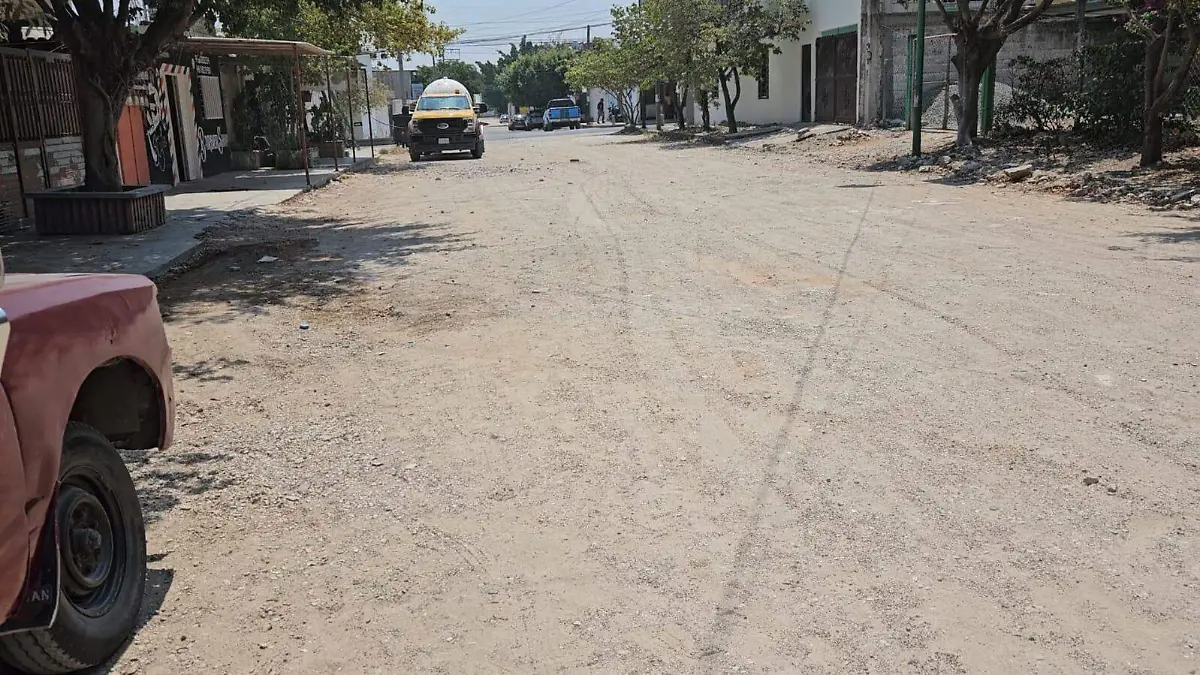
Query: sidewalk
{"points": [[191, 208]]}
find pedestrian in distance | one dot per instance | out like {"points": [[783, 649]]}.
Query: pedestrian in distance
{"points": [[600, 112]]}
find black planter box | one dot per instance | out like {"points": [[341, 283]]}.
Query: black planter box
{"points": [[73, 211]]}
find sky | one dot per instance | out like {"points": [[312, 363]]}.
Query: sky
{"points": [[492, 25]]}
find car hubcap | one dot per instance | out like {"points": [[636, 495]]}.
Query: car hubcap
{"points": [[89, 548]]}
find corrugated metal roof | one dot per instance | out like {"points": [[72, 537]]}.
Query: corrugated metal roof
{"points": [[222, 46]]}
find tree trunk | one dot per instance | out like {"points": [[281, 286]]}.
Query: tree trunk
{"points": [[1152, 142], [971, 61], [1152, 134], [730, 118], [705, 113], [101, 99], [681, 95]]}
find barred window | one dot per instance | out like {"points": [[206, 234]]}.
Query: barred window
{"points": [[210, 97]]}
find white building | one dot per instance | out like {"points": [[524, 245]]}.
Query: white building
{"points": [[814, 78], [850, 65]]}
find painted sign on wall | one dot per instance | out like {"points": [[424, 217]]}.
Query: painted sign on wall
{"points": [[211, 127], [152, 86]]}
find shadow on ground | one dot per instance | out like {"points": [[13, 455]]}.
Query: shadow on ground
{"points": [[271, 260], [158, 585]]}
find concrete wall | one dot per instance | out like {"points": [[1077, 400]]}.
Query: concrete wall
{"points": [[1048, 38]]}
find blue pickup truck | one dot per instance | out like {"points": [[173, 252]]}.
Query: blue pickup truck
{"points": [[562, 113]]}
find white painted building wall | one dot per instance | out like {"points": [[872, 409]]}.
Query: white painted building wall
{"points": [[785, 73]]}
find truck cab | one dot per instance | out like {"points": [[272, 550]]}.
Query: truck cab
{"points": [[445, 119], [85, 371]]}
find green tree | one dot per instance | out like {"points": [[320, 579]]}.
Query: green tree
{"points": [[492, 94], [742, 30], [112, 41], [535, 77], [462, 71], [611, 66], [681, 39], [1170, 30], [979, 34]]}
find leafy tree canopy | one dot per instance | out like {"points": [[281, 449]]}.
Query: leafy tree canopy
{"points": [[538, 75], [462, 71]]}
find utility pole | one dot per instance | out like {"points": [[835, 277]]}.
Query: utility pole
{"points": [[918, 76], [589, 34]]}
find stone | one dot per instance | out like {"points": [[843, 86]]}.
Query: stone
{"points": [[1090, 480], [925, 169], [1018, 173]]}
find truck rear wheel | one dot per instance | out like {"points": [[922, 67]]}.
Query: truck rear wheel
{"points": [[102, 549]]}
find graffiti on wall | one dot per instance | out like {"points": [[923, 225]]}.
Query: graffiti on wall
{"points": [[153, 86]]}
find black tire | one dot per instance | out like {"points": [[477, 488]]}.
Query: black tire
{"points": [[477, 151], [102, 543], [414, 156]]}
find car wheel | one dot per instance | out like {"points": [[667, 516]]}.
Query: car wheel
{"points": [[414, 155], [477, 151], [102, 553]]}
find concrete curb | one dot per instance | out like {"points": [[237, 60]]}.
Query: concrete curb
{"points": [[197, 251]]}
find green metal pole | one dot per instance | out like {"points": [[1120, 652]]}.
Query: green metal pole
{"points": [[908, 83], [919, 80], [988, 98]]}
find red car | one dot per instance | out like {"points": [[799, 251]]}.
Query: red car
{"points": [[86, 371]]}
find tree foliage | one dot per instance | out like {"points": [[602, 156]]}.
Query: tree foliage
{"points": [[743, 30], [611, 66], [538, 75], [462, 71], [112, 41]]}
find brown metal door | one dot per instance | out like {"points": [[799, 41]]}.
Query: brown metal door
{"points": [[845, 104], [837, 78], [826, 77]]}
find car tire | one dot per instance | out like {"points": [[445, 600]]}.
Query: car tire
{"points": [[477, 151], [414, 156], [102, 548]]}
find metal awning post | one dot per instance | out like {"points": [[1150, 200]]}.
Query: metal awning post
{"points": [[370, 121], [300, 114], [350, 103], [332, 110]]}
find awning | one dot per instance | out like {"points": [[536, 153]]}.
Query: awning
{"points": [[219, 46]]}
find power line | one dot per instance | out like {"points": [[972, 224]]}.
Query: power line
{"points": [[518, 36], [573, 17]]}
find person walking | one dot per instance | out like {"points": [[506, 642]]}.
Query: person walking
{"points": [[600, 112]]}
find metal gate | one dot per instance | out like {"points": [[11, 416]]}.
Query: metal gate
{"points": [[837, 78]]}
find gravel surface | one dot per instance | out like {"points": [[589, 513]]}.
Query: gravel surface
{"points": [[594, 404]]}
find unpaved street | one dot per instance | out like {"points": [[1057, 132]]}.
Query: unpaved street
{"points": [[603, 405]]}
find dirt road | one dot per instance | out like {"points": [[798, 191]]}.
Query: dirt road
{"points": [[608, 406]]}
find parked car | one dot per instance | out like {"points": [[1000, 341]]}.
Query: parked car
{"points": [[503, 118], [562, 113], [535, 119], [85, 369], [518, 122]]}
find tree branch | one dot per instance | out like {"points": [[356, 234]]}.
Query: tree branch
{"points": [[1029, 17], [169, 24], [1185, 67], [951, 22], [123, 13]]}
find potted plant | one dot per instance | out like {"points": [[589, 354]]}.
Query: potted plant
{"points": [[244, 155], [327, 130]]}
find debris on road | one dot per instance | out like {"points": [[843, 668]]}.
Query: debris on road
{"points": [[267, 259]]}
